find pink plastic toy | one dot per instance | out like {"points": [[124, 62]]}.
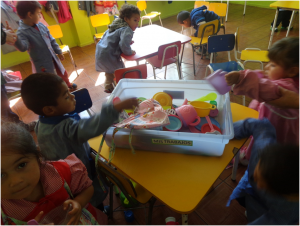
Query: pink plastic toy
{"points": [[188, 115], [217, 80]]}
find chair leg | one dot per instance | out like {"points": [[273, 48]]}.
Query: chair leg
{"points": [[73, 62], [151, 204], [160, 21], [166, 71], [154, 72], [179, 70], [141, 22], [194, 60], [244, 100], [235, 165], [184, 219], [111, 201]]}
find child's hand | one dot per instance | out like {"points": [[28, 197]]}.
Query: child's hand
{"points": [[8, 27], [133, 52], [39, 217], [75, 212], [11, 37], [61, 57], [232, 78], [126, 104]]}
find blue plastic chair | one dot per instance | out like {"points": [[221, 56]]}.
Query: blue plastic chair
{"points": [[83, 101], [221, 43]]}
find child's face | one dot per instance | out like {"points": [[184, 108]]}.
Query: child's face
{"points": [[186, 23], [133, 22], [20, 176], [65, 103], [274, 71], [35, 17]]}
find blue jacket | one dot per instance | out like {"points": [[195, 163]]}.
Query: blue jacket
{"points": [[262, 207], [41, 47], [199, 15]]}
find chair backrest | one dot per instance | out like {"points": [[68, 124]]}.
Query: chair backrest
{"points": [[83, 100], [208, 29], [220, 43], [201, 3], [136, 72], [55, 31], [218, 8], [116, 177], [168, 51], [142, 5], [100, 20]]}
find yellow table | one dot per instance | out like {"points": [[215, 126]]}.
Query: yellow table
{"points": [[180, 181], [287, 5]]}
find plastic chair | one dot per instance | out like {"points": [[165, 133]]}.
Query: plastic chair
{"points": [[201, 3], [115, 177], [204, 31], [221, 10], [136, 72], [167, 54], [56, 32], [83, 101], [221, 43], [251, 54], [142, 5], [98, 21]]}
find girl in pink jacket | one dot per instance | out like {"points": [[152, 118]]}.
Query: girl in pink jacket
{"points": [[263, 86]]}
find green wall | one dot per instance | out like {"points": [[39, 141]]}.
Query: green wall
{"points": [[79, 31]]}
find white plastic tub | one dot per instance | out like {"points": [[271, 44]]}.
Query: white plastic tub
{"points": [[178, 142]]}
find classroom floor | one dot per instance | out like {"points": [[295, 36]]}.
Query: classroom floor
{"points": [[254, 32]]}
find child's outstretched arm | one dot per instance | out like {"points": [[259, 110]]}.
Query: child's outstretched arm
{"points": [[249, 83], [22, 43], [125, 41]]}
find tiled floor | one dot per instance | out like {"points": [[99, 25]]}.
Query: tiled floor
{"points": [[254, 32]]}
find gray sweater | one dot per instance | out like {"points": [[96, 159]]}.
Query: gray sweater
{"points": [[60, 136]]}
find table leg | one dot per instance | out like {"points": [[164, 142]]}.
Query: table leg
{"points": [[184, 219], [273, 28], [227, 11], [235, 165], [182, 53], [245, 8], [291, 21]]}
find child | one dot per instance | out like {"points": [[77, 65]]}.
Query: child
{"points": [[115, 41], [34, 37], [284, 17], [32, 187], [281, 71], [60, 134], [269, 188], [197, 17]]}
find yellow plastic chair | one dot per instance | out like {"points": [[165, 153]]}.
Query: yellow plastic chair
{"points": [[115, 177], [98, 21], [56, 32], [201, 3], [221, 10], [142, 5], [204, 31], [251, 54]]}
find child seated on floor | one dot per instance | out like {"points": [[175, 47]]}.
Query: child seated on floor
{"points": [[32, 187], [281, 71], [35, 37], [60, 134], [115, 41], [269, 189]]}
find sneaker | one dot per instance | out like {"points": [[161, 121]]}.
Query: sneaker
{"points": [[276, 29], [73, 87], [30, 126], [285, 28], [109, 90], [106, 210]]}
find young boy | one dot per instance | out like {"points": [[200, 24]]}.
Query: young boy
{"points": [[196, 17], [269, 188], [36, 39], [60, 134]]}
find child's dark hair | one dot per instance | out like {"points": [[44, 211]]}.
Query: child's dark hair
{"points": [[16, 139], [127, 10], [40, 90], [183, 15], [23, 7], [285, 52], [279, 166]]}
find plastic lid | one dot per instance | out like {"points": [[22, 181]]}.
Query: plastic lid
{"points": [[175, 123], [164, 99]]}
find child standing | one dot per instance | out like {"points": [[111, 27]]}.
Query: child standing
{"points": [[34, 37], [32, 187], [115, 41], [284, 17], [281, 71], [60, 134]]}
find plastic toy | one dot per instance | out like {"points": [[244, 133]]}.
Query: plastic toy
{"points": [[164, 99], [214, 113], [208, 97], [213, 102], [171, 221], [217, 80], [209, 128], [129, 217], [202, 108], [188, 114], [203, 121], [175, 123]]}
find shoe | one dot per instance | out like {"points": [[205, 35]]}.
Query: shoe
{"points": [[285, 28], [276, 29], [30, 126], [106, 210], [109, 90], [73, 87]]}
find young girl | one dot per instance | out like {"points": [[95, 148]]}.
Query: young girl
{"points": [[31, 187], [281, 71], [115, 41]]}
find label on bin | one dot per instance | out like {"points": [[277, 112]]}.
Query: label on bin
{"points": [[172, 142]]}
